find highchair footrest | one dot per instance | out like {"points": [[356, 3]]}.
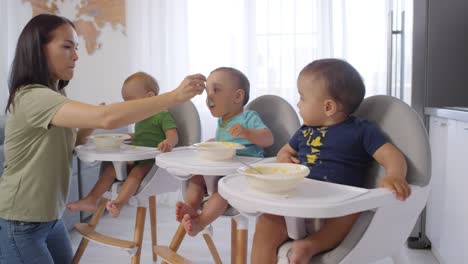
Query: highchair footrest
{"points": [[170, 256], [88, 231]]}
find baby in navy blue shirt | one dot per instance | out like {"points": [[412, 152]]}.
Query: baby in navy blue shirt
{"points": [[337, 148], [339, 153]]}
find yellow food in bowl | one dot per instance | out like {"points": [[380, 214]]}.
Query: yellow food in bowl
{"points": [[273, 170], [229, 144], [218, 145], [217, 150], [108, 136], [108, 142], [275, 177]]}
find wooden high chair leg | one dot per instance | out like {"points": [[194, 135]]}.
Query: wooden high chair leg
{"points": [[241, 224], [241, 247], [212, 248], [93, 222], [138, 236], [176, 239], [233, 240], [152, 208]]}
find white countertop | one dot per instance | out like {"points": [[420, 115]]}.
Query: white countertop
{"points": [[455, 113]]}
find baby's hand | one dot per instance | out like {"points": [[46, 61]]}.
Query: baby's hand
{"points": [[397, 185], [287, 158], [237, 130], [164, 146]]}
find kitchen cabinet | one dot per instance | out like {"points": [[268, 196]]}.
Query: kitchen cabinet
{"points": [[447, 209]]}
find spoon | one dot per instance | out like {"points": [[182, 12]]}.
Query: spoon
{"points": [[209, 102], [248, 165]]}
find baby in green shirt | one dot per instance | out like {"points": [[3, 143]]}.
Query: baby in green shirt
{"points": [[158, 130]]}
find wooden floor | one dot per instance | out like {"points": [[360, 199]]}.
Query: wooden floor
{"points": [[122, 228]]}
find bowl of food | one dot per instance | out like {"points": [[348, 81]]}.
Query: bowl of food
{"points": [[108, 142], [274, 177], [217, 150]]}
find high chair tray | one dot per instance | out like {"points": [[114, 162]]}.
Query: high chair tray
{"points": [[89, 153], [311, 199], [188, 161]]}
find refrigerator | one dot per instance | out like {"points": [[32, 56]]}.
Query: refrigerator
{"points": [[428, 62], [440, 54]]}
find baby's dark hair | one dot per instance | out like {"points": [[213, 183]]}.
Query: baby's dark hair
{"points": [[149, 83], [343, 81], [242, 81]]}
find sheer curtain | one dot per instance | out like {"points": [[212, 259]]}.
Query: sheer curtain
{"points": [[13, 18], [218, 35], [158, 44], [291, 34], [360, 37], [269, 40], [158, 38]]}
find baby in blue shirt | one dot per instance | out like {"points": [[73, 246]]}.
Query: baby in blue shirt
{"points": [[246, 119], [228, 93], [338, 148]]}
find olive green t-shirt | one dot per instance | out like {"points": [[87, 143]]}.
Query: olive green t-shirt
{"points": [[152, 130], [34, 185]]}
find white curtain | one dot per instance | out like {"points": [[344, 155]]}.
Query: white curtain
{"points": [[361, 38], [157, 35], [13, 18], [218, 35], [158, 44], [269, 40]]}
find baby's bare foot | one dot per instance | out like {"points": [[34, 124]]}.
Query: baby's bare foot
{"points": [[301, 252], [85, 204], [183, 209], [114, 209], [191, 225]]}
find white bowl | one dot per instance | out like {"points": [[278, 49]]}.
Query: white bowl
{"points": [[108, 142], [275, 177], [218, 150]]}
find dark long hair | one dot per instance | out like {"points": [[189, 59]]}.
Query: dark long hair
{"points": [[30, 64]]}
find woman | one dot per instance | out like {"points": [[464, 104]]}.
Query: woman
{"points": [[41, 135]]}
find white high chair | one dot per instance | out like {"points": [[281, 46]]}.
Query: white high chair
{"points": [[157, 181], [386, 223], [278, 115]]}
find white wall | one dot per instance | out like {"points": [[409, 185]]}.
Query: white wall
{"points": [[3, 57], [99, 77]]}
